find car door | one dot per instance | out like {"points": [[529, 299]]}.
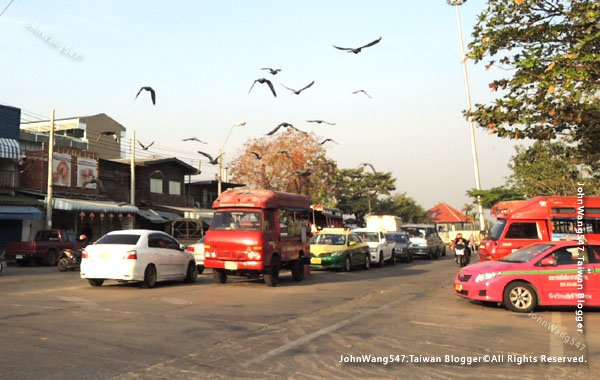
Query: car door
{"points": [[557, 283], [354, 250], [178, 259], [159, 256]]}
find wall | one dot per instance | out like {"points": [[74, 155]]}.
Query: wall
{"points": [[106, 147], [10, 120]]}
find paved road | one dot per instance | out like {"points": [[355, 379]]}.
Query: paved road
{"points": [[55, 326]]}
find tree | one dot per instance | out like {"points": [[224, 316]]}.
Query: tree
{"points": [[403, 206], [469, 213], [494, 195], [550, 50], [546, 168], [291, 161]]}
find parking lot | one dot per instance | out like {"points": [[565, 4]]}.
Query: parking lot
{"points": [[54, 325]]}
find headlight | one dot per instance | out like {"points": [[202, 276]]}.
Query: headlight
{"points": [[337, 253], [486, 276], [373, 249]]}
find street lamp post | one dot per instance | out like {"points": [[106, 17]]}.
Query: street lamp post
{"points": [[221, 153], [457, 4]]}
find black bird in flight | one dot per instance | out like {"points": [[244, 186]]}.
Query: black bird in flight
{"points": [[145, 147], [368, 164], [363, 91], [297, 92], [283, 125], [152, 93], [258, 156], [108, 133], [211, 160], [305, 173], [320, 121], [262, 81], [326, 140], [272, 71], [358, 49], [194, 139]]}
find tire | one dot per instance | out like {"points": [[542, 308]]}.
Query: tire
{"points": [[219, 276], [200, 269], [393, 258], [95, 282], [51, 258], [347, 264], [519, 297], [272, 276], [380, 263], [298, 269], [367, 261], [191, 274], [444, 251], [63, 264], [149, 277], [431, 256]]}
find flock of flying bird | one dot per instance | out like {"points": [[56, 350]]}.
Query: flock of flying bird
{"points": [[272, 71]]}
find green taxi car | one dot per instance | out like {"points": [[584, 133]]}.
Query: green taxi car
{"points": [[338, 248]]}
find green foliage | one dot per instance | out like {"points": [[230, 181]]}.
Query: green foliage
{"points": [[550, 53], [403, 206], [494, 195]]}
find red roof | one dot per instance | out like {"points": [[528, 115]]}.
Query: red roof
{"points": [[444, 213]]}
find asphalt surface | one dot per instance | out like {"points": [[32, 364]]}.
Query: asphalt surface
{"points": [[55, 326]]}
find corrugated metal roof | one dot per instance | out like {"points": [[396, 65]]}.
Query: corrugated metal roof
{"points": [[93, 206]]}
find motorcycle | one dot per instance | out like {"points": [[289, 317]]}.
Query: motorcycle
{"points": [[461, 254], [70, 259]]}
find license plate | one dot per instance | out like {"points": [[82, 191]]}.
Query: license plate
{"points": [[315, 260], [105, 255], [458, 287], [18, 257], [231, 265]]}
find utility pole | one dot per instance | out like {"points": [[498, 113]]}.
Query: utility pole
{"points": [[49, 195], [133, 168]]}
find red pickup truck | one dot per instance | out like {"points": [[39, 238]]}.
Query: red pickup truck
{"points": [[44, 249]]}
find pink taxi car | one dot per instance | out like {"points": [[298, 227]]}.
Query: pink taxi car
{"points": [[562, 273]]}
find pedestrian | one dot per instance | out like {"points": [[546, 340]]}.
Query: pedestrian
{"points": [[472, 245], [87, 231]]}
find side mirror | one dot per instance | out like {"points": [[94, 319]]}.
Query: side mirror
{"points": [[548, 262], [181, 247], [352, 243]]}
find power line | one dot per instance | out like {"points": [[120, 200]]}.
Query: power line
{"points": [[4, 10]]}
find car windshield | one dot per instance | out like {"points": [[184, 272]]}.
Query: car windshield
{"points": [[497, 230], [526, 254], [400, 238], [236, 220], [370, 237], [328, 239], [125, 239]]}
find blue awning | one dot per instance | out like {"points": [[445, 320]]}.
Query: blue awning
{"points": [[9, 148], [20, 213], [93, 206]]}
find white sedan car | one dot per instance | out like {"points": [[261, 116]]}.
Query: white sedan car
{"points": [[137, 255], [197, 249]]}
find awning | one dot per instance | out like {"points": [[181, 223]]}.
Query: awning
{"points": [[194, 213], [20, 213], [9, 148], [157, 216], [93, 206]]}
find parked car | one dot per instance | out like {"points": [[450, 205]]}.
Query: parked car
{"points": [[545, 274], [197, 249], [338, 248], [382, 248], [402, 246], [44, 249], [137, 255], [424, 241]]}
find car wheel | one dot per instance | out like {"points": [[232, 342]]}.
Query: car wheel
{"points": [[200, 269], [63, 264], [219, 276], [51, 258], [192, 273], [520, 297], [298, 269], [367, 261], [347, 264], [149, 277], [272, 278], [393, 258], [95, 281], [444, 251], [380, 263]]}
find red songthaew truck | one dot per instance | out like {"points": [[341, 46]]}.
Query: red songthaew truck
{"points": [[258, 233], [522, 223]]}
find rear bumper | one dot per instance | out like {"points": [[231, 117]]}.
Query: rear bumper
{"points": [[233, 265], [126, 272], [12, 256]]}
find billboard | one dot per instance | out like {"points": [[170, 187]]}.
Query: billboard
{"points": [[87, 169], [61, 169]]}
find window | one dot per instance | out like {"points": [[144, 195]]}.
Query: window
{"points": [[522, 231], [236, 220], [156, 185], [175, 187], [156, 241], [568, 226], [120, 239], [568, 256]]}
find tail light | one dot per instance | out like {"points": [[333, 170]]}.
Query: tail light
{"points": [[131, 255], [84, 255], [190, 249]]}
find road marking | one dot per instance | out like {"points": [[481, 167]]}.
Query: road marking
{"points": [[45, 291], [318, 333], [439, 325], [77, 300], [177, 301], [556, 344]]}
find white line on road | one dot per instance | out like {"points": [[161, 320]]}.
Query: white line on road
{"points": [[177, 301], [318, 333], [45, 291]]}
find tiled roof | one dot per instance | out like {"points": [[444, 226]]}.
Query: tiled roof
{"points": [[444, 213]]}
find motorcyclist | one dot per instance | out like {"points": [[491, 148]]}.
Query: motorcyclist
{"points": [[461, 240]]}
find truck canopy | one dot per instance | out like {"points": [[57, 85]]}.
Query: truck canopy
{"points": [[544, 207], [263, 199]]}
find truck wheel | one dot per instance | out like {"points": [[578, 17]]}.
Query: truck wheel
{"points": [[149, 277], [192, 273], [272, 278], [298, 270], [95, 281], [219, 276], [200, 269], [63, 264], [51, 258], [380, 263], [519, 297]]}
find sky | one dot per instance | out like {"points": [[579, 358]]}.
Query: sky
{"points": [[201, 57]]}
